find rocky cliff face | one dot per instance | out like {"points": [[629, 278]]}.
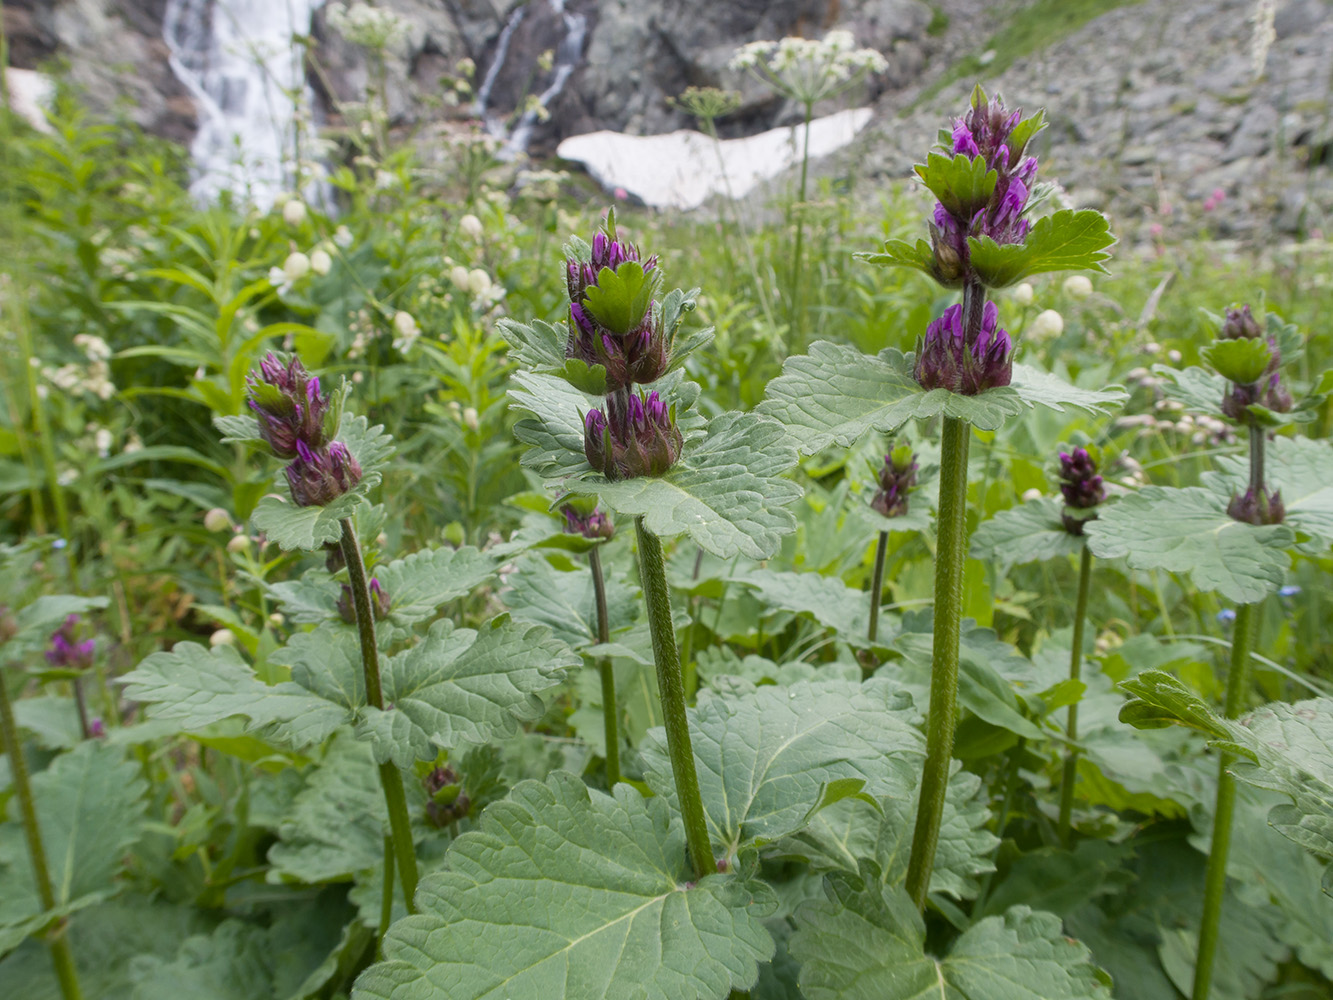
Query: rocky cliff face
{"points": [[1156, 109], [115, 55]]}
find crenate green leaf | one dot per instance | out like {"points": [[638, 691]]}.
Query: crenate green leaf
{"points": [[963, 184], [1242, 360], [1189, 531], [1067, 240], [621, 298], [765, 759], [196, 687], [835, 394], [1031, 532], [91, 810], [1302, 469], [420, 583], [867, 942], [727, 493], [569, 894]]}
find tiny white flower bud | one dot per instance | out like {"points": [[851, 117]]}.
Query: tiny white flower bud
{"points": [[405, 325], [470, 418], [222, 637], [293, 213], [470, 226], [217, 519], [239, 543], [296, 266], [1023, 294], [276, 618], [478, 281], [320, 262], [458, 275], [1174, 357], [1048, 323], [1032, 494], [1078, 286]]}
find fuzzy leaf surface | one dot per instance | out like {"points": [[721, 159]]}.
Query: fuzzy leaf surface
{"points": [[764, 758], [196, 687], [1302, 468], [868, 943], [835, 394], [569, 893], [422, 581], [1189, 531], [1030, 532], [91, 809], [1067, 240], [727, 493]]}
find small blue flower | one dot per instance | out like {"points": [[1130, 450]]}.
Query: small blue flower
{"points": [[1291, 590], [1227, 615], [59, 543]]}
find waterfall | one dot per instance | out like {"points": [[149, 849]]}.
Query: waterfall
{"points": [[568, 53], [240, 63]]}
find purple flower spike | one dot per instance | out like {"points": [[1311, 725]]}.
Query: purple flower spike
{"points": [[289, 406], [317, 477], [1268, 391], [1082, 488], [945, 360], [985, 132], [636, 437], [896, 478], [66, 649]]}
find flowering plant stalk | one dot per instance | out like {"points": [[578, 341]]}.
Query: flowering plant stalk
{"points": [[1251, 362], [806, 71], [583, 518], [896, 479], [1083, 490], [299, 422], [62, 955]]}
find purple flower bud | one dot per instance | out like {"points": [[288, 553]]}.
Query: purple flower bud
{"points": [[946, 361], [446, 802], [606, 252], [1263, 507], [597, 440], [986, 131], [1240, 324], [96, 728], [637, 437], [591, 524], [896, 478], [379, 603], [317, 477], [66, 649], [1082, 487], [289, 406], [641, 356], [379, 599]]}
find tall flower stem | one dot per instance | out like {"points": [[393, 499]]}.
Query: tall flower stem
{"points": [[796, 338], [391, 779], [386, 892], [1238, 686], [1075, 671], [610, 710], [61, 954], [1215, 879], [671, 690], [942, 719], [877, 585]]}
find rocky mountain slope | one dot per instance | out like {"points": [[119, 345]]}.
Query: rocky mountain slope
{"points": [[1158, 108]]}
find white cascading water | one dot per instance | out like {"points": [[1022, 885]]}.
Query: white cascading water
{"points": [[515, 138], [239, 62]]}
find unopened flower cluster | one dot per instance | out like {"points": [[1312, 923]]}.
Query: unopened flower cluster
{"points": [[896, 478], [1268, 391], [634, 435], [367, 26], [298, 422], [1082, 487]]}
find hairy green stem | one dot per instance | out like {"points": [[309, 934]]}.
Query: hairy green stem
{"points": [[877, 586], [62, 957], [950, 555], [1075, 671], [1215, 879], [390, 777], [671, 691], [386, 896], [610, 710]]}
